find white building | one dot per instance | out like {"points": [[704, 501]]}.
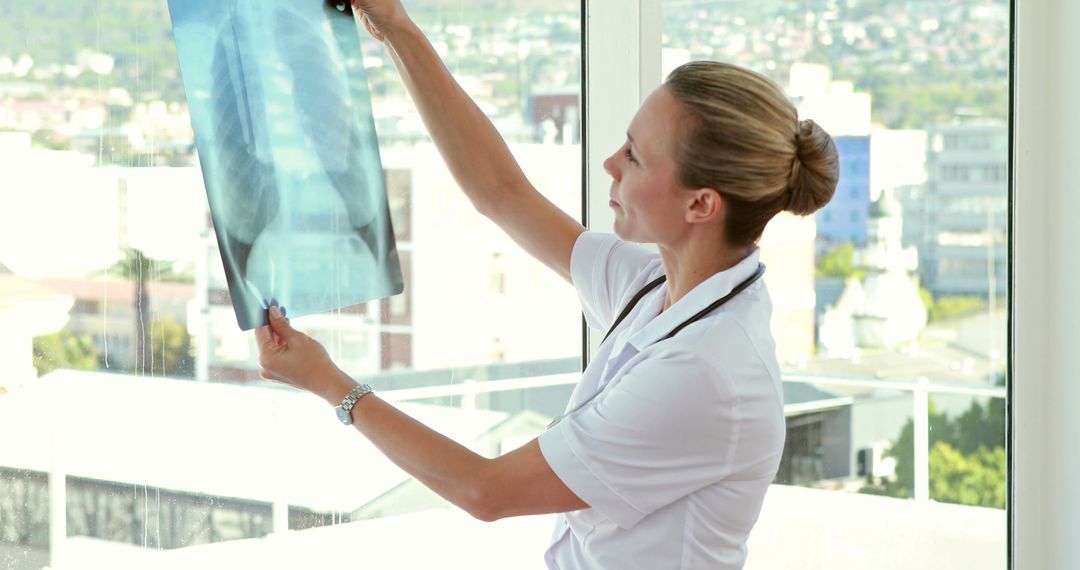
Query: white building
{"points": [[469, 288], [471, 296], [897, 159], [834, 105], [883, 308], [268, 459], [787, 250], [27, 309], [963, 235]]}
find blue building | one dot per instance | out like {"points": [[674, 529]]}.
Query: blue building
{"points": [[844, 218]]}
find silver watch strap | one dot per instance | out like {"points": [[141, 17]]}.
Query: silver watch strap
{"points": [[354, 396]]}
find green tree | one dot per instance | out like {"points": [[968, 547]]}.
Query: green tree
{"points": [[170, 349], [64, 349], [903, 450], [980, 427], [954, 306], [976, 479], [157, 270], [162, 346], [840, 262], [967, 457], [927, 300]]}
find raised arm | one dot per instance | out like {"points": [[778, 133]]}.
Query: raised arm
{"points": [[476, 154]]}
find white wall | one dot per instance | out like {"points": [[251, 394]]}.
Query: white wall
{"points": [[1045, 458]]}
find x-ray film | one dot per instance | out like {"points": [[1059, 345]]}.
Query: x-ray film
{"points": [[282, 116]]}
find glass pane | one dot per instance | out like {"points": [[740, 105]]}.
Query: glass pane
{"points": [[135, 429], [890, 320]]}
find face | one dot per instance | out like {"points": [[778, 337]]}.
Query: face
{"points": [[649, 204]]}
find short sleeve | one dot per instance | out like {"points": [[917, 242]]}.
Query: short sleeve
{"points": [[605, 271], [668, 428]]}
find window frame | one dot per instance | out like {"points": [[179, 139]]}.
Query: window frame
{"points": [[1043, 310], [621, 50], [621, 66]]}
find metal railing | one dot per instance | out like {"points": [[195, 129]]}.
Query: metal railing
{"points": [[920, 388]]}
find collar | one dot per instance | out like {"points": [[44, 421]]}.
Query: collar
{"points": [[693, 302]]}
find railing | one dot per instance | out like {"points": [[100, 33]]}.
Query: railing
{"points": [[921, 388], [468, 390]]}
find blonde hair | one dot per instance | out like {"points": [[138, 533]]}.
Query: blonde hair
{"points": [[741, 136]]}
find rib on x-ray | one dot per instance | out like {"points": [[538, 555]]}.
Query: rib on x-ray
{"points": [[282, 117]]}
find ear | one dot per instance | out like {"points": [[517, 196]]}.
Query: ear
{"points": [[706, 205]]}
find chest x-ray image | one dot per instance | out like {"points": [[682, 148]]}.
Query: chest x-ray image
{"points": [[282, 116]]}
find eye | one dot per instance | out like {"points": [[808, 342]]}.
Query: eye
{"points": [[630, 156]]}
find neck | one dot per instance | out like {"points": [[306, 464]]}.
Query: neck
{"points": [[689, 265]]}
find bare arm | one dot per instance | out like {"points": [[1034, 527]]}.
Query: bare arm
{"points": [[477, 156], [518, 483]]}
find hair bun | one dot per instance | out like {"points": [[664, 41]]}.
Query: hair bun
{"points": [[815, 169]]}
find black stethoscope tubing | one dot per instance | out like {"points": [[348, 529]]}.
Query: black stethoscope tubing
{"points": [[644, 291]]}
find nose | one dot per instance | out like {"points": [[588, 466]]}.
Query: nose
{"points": [[610, 166]]}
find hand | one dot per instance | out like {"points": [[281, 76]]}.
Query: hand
{"points": [[291, 357], [379, 16]]}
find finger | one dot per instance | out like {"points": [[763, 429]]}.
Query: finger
{"points": [[265, 337], [278, 341], [370, 27], [280, 324]]}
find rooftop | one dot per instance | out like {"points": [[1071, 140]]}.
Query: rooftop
{"points": [[798, 528], [255, 443]]}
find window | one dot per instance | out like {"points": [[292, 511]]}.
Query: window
{"points": [[871, 402], [955, 173], [98, 107], [119, 286]]}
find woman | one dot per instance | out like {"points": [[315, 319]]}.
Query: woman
{"points": [[675, 431]]}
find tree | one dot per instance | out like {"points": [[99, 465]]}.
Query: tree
{"points": [[162, 346], [169, 350], [976, 479], [954, 306], [927, 300], [840, 262], [159, 270], [64, 349], [139, 267], [967, 457], [980, 428]]}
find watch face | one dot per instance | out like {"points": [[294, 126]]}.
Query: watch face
{"points": [[345, 417]]}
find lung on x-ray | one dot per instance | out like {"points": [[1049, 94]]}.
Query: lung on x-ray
{"points": [[282, 116]]}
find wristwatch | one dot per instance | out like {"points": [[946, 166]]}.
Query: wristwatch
{"points": [[344, 409]]}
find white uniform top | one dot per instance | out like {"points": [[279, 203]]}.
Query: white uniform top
{"points": [[675, 456]]}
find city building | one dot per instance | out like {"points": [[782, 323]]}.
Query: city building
{"points": [[27, 309], [556, 111], [1021, 69], [844, 218], [898, 157], [497, 285], [787, 250], [223, 462], [959, 218], [882, 307], [845, 114], [109, 311]]}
